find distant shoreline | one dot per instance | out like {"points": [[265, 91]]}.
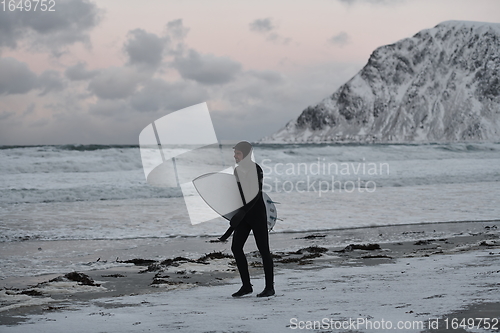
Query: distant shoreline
{"points": [[98, 146]]}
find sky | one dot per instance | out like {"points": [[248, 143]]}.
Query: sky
{"points": [[98, 72]]}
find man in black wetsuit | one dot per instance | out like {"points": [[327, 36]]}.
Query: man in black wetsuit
{"points": [[251, 217]]}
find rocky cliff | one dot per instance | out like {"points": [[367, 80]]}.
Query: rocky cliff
{"points": [[441, 85]]}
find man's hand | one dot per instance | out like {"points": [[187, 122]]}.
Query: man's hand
{"points": [[218, 240]]}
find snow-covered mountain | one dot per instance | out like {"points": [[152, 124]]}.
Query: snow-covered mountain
{"points": [[441, 85]]}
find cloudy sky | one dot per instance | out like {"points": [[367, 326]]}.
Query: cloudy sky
{"points": [[99, 72]]}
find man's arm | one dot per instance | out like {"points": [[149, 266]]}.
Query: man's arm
{"points": [[226, 235]]}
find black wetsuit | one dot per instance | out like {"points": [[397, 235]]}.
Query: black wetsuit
{"points": [[252, 217]]}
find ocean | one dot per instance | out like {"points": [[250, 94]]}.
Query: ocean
{"points": [[66, 197]]}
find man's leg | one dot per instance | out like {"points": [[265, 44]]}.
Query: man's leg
{"points": [[240, 236], [261, 236]]}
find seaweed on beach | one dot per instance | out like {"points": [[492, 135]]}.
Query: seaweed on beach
{"points": [[138, 262], [365, 247], [160, 276], [300, 260], [114, 275], [81, 278], [306, 253], [163, 281], [412, 232], [290, 260], [255, 264], [312, 236], [55, 308], [484, 243], [311, 255], [214, 255], [31, 292], [377, 256], [424, 242], [312, 249], [175, 261], [276, 256], [152, 268]]}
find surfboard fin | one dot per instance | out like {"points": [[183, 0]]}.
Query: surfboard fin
{"points": [[274, 202]]}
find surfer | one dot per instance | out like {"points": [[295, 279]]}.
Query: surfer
{"points": [[251, 217]]}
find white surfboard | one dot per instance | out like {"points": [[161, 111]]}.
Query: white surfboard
{"points": [[220, 192], [272, 213]]}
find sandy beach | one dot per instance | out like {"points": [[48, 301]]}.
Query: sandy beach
{"points": [[411, 278]]}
